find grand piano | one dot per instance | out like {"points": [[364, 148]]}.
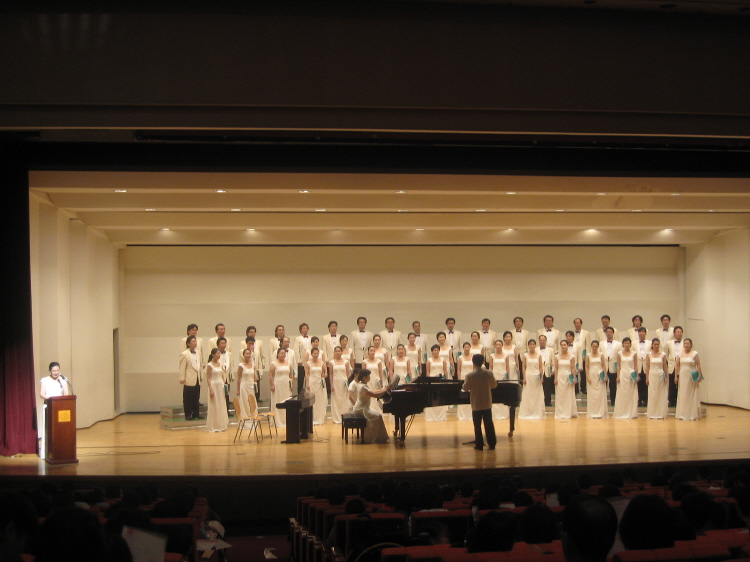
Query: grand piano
{"points": [[426, 392]]}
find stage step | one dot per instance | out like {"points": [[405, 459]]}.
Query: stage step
{"points": [[173, 417]]}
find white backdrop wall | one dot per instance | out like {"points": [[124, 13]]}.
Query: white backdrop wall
{"points": [[75, 308], [167, 288], [718, 314]]}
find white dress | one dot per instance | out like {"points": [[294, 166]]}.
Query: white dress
{"points": [[565, 391], [626, 401], [346, 355], [318, 388], [375, 431], [447, 355], [438, 413], [532, 395], [282, 392], [512, 368], [248, 404], [688, 398], [217, 419], [414, 357], [339, 391], [375, 382], [499, 411], [400, 368], [658, 387], [596, 397], [380, 356], [467, 366]]}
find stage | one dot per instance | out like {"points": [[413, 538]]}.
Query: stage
{"points": [[133, 447]]}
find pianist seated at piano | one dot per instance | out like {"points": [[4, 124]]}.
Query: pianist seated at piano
{"points": [[375, 431]]}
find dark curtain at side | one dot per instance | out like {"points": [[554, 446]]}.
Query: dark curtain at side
{"points": [[17, 382]]}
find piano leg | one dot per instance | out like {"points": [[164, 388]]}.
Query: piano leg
{"points": [[401, 429], [512, 421]]}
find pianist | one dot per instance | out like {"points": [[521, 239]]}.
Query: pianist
{"points": [[375, 431], [479, 384]]}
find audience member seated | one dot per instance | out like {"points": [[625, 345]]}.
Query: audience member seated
{"points": [[18, 525], [566, 492], [467, 490], [522, 499], [537, 525], [589, 525], [609, 491], [681, 489], [71, 534], [699, 509], [585, 481], [648, 523], [494, 532]]}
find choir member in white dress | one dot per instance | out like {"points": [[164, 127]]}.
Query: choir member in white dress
{"points": [[376, 381], [400, 364], [657, 381], [565, 381], [381, 353], [626, 401], [499, 365], [227, 364], [447, 352], [437, 366], [346, 353], [353, 387], [532, 396], [281, 378], [689, 375], [477, 347], [246, 381], [514, 359], [316, 372], [339, 373], [375, 431], [464, 366], [596, 373], [218, 419], [414, 353]]}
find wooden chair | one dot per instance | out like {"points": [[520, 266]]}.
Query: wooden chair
{"points": [[267, 417], [241, 420], [351, 422]]}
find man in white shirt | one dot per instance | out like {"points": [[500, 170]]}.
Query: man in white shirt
{"points": [[637, 321], [583, 342], [667, 332], [227, 365], [550, 332], [610, 347], [192, 330], [487, 336], [575, 350], [359, 341], [292, 358], [301, 347], [674, 347], [453, 336], [548, 357], [329, 342], [258, 359], [191, 375], [390, 337], [642, 347], [53, 385], [420, 341], [221, 331], [601, 332]]}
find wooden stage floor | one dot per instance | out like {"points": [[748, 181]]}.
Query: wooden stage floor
{"points": [[134, 445]]}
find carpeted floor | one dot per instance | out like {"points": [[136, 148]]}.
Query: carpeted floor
{"points": [[256, 549]]}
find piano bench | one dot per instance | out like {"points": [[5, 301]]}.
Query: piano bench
{"points": [[351, 422]]}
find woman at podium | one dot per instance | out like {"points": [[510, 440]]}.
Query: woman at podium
{"points": [[55, 384]]}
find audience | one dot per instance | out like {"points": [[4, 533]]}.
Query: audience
{"points": [[589, 525], [648, 523]]}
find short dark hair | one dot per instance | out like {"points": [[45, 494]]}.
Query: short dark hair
{"points": [[638, 316], [608, 328], [449, 319], [361, 318], [249, 339], [606, 316], [250, 328], [390, 318], [191, 327], [647, 523], [477, 359], [303, 325], [189, 339], [332, 322], [642, 329], [667, 316], [548, 316], [217, 326], [589, 525], [222, 338], [517, 318], [56, 364], [486, 320]]}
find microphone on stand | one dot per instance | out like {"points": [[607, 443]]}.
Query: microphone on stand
{"points": [[70, 386]]}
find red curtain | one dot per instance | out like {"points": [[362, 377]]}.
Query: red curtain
{"points": [[17, 382]]}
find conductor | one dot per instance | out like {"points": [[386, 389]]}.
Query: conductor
{"points": [[479, 383]]}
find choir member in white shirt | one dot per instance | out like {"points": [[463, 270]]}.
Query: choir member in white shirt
{"points": [[453, 336], [420, 340], [476, 345], [301, 348], [487, 336], [464, 366], [688, 374], [221, 331], [637, 325], [192, 330], [346, 353], [550, 332], [656, 379], [276, 341], [53, 385], [548, 360], [315, 344], [601, 334], [437, 366], [316, 371], [583, 342], [390, 337], [339, 369], [414, 353], [596, 372], [359, 341], [191, 375], [381, 353], [674, 347], [259, 360], [226, 361], [626, 401], [666, 332], [642, 347], [281, 373], [532, 397], [610, 348], [291, 357], [247, 380], [331, 339]]}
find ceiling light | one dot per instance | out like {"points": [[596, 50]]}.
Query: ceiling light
{"points": [[592, 230], [601, 193], [401, 191], [165, 229], [559, 210], [149, 209], [669, 230], [712, 210], [481, 210], [320, 210], [403, 210], [419, 229], [249, 229], [304, 191], [676, 194], [235, 210], [121, 190], [511, 229], [510, 193], [221, 191], [636, 210]]}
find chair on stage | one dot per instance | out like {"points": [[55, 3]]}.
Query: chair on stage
{"points": [[352, 422], [267, 417], [254, 420]]}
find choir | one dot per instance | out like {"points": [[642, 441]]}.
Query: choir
{"points": [[654, 369]]}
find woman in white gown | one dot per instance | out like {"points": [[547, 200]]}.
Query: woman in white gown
{"points": [[375, 431], [688, 375], [446, 352], [532, 395], [246, 382], [626, 401], [596, 378], [400, 364], [565, 377], [375, 382], [381, 353], [511, 351], [316, 373], [339, 372], [217, 419], [279, 374], [346, 352], [657, 380], [464, 366], [499, 364], [476, 346], [436, 366], [414, 353]]}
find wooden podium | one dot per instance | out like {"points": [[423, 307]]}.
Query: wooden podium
{"points": [[60, 430]]}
